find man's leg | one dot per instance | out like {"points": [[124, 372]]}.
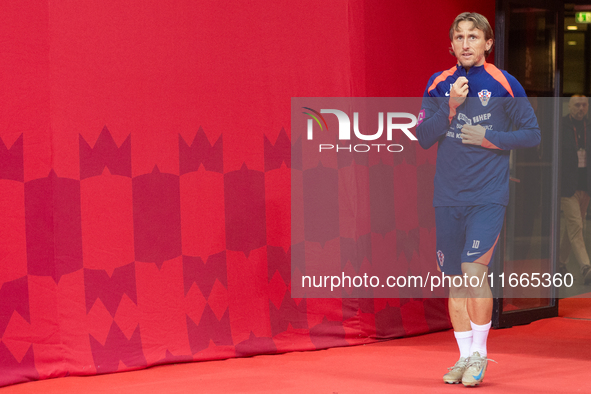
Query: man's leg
{"points": [[583, 204], [565, 246], [450, 226], [479, 306], [458, 310], [572, 210], [460, 321], [458, 314], [483, 227]]}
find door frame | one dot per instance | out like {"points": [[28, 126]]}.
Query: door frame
{"points": [[500, 318]]}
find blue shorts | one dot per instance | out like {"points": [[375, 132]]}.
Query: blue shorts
{"points": [[467, 234]]}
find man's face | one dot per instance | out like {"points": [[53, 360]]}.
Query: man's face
{"points": [[578, 107], [469, 45]]}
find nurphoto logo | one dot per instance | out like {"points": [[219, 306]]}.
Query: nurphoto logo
{"points": [[394, 121]]}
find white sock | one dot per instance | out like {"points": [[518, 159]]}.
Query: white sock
{"points": [[464, 339], [479, 336]]}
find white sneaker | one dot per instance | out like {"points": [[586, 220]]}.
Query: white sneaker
{"points": [[455, 373], [474, 373]]}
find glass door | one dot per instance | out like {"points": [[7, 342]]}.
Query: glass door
{"points": [[528, 37]]}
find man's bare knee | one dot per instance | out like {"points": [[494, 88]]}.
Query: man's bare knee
{"points": [[457, 289], [477, 280]]}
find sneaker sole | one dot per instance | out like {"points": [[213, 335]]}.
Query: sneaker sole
{"points": [[472, 384]]}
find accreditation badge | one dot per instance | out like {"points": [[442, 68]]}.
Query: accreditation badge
{"points": [[582, 158]]}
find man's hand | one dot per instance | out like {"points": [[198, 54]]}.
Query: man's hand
{"points": [[473, 135], [459, 91]]}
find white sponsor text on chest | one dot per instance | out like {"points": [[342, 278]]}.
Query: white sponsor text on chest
{"points": [[480, 118]]}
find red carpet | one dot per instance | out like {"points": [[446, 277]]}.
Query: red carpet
{"points": [[547, 356], [576, 308]]}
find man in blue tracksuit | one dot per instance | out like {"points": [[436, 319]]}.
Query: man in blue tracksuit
{"points": [[477, 114]]}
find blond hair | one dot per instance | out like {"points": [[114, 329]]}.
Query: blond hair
{"points": [[480, 22]]}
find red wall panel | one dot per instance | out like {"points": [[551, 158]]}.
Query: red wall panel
{"points": [[107, 222], [145, 171], [13, 247]]}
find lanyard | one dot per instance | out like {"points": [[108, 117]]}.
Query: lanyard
{"points": [[584, 133]]}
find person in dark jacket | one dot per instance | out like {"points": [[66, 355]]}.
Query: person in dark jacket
{"points": [[575, 181]]}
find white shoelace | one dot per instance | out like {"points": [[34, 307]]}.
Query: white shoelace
{"points": [[460, 364], [478, 362]]}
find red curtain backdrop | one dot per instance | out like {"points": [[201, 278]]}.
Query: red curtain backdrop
{"points": [[145, 175]]}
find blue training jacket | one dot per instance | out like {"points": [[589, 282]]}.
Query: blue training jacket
{"points": [[469, 174]]}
